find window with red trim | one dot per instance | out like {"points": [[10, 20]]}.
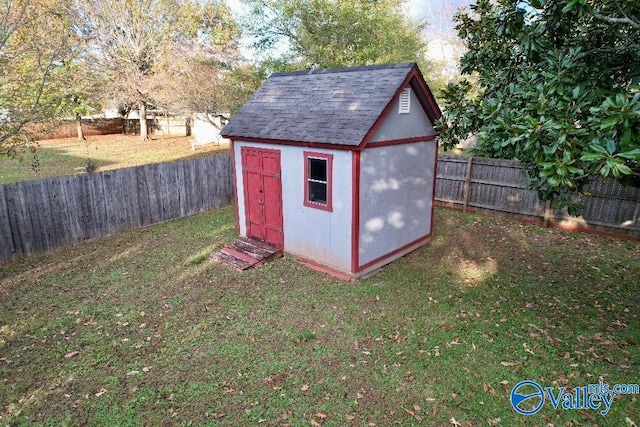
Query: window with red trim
{"points": [[318, 170]]}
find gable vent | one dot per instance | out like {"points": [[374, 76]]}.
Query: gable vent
{"points": [[405, 101]]}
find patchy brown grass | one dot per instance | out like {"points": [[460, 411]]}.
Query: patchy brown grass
{"points": [[68, 156], [137, 329]]}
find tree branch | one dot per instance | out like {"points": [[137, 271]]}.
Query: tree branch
{"points": [[614, 20]]}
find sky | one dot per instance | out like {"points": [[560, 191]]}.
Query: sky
{"points": [[437, 13]]}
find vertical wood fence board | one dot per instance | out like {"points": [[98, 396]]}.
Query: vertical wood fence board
{"points": [[45, 220], [223, 172], [128, 213], [121, 204], [7, 248], [95, 215], [142, 188], [181, 181], [72, 196], [32, 217], [102, 220], [205, 173], [173, 194], [214, 182], [193, 202], [41, 200], [133, 199], [20, 219], [163, 189], [59, 211], [153, 190], [116, 216]]}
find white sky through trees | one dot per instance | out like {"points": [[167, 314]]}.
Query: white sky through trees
{"points": [[438, 13]]}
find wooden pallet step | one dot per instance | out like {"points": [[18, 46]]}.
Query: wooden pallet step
{"points": [[230, 250], [254, 248], [232, 260], [246, 253]]}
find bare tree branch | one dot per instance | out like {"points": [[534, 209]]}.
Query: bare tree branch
{"points": [[613, 20]]}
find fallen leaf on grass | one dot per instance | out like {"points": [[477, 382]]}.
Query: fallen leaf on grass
{"points": [[321, 415], [454, 422], [315, 424], [131, 373], [101, 392], [350, 417], [412, 413], [71, 354], [304, 387], [508, 363], [494, 421]]}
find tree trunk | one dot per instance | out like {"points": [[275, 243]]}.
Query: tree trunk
{"points": [[144, 132], [79, 128]]}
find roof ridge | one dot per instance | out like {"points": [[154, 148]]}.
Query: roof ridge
{"points": [[345, 69]]}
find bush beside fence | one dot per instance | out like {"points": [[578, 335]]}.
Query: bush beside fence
{"points": [[36, 216]]}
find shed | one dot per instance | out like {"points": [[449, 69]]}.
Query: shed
{"points": [[337, 167]]}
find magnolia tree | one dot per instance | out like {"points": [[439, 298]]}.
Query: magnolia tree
{"points": [[557, 86]]}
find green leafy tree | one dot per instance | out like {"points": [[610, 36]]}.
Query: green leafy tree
{"points": [[558, 87], [334, 33], [35, 39], [80, 90]]}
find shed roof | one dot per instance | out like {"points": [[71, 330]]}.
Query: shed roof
{"points": [[334, 106]]}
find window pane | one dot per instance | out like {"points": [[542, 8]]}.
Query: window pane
{"points": [[318, 192], [318, 169]]}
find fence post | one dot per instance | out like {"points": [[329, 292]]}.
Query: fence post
{"points": [[548, 213], [467, 185]]}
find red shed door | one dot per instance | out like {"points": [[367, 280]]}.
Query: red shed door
{"points": [[263, 194]]}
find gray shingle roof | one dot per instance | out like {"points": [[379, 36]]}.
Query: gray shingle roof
{"points": [[336, 106]]}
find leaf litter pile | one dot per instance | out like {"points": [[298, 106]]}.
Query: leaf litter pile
{"points": [[129, 330]]}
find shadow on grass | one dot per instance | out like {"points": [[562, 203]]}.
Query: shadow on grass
{"points": [[45, 163]]}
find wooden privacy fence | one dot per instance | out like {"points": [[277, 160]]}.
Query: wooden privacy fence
{"points": [[500, 187], [39, 215]]}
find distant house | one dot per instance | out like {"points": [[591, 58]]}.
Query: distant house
{"points": [[337, 167], [205, 129]]}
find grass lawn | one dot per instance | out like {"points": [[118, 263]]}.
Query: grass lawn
{"points": [[68, 156], [142, 328]]}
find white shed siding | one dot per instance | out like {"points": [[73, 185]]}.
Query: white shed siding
{"points": [[396, 191], [399, 126], [321, 236]]}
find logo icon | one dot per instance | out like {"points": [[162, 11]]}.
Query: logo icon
{"points": [[527, 395]]}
